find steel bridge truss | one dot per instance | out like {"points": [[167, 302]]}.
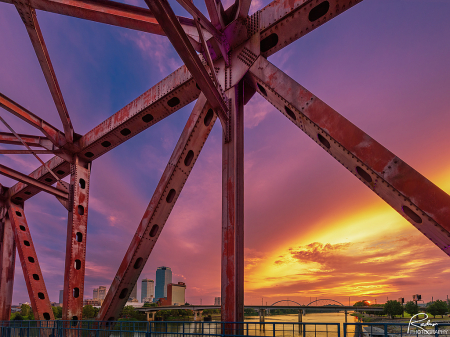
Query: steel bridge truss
{"points": [[233, 66]]}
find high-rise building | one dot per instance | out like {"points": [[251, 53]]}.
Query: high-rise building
{"points": [[99, 293], [147, 290], [61, 296], [95, 294], [133, 294], [163, 278], [175, 294], [216, 300]]}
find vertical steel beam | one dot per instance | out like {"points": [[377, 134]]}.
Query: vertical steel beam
{"points": [[177, 171], [76, 240], [37, 291], [7, 263], [233, 210]]}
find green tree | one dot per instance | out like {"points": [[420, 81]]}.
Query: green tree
{"points": [[361, 304], [18, 317], [437, 307], [393, 308], [411, 308], [25, 310], [57, 312], [89, 312]]}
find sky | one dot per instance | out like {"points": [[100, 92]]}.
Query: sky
{"points": [[312, 230]]}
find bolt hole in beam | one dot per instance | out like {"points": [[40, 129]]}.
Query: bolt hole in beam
{"points": [[80, 210], [18, 213], [89, 154], [60, 172], [290, 113], [122, 294], [147, 118], [30, 259], [46, 316], [170, 196], [82, 183], [324, 141], [320, 10], [19, 198], [174, 101], [154, 230], [76, 292], [27, 193], [77, 264], [366, 176], [208, 118], [138, 263], [36, 277], [125, 132], [49, 180], [106, 144], [22, 228], [79, 237], [189, 157], [413, 215], [41, 296], [268, 42], [74, 320], [263, 91], [26, 243]]}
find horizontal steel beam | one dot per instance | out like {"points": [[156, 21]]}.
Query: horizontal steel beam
{"points": [[284, 21], [52, 133], [13, 174], [169, 95], [413, 196], [26, 152], [10, 138]]}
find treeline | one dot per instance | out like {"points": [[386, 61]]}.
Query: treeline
{"points": [[395, 308]]}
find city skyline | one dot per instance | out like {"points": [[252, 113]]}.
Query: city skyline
{"points": [[312, 229]]}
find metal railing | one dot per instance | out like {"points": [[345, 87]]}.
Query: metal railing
{"points": [[220, 329]]}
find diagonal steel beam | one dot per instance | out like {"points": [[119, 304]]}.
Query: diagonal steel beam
{"points": [[7, 266], [10, 138], [215, 11], [284, 21], [243, 6], [13, 174], [37, 291], [28, 15], [416, 198], [168, 21], [52, 133], [76, 240], [169, 95], [177, 171]]}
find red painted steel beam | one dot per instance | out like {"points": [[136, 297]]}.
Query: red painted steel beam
{"points": [[243, 8], [232, 275], [284, 21], [215, 11], [168, 21], [177, 171], [76, 241], [52, 133], [7, 266], [10, 138], [13, 174], [28, 15], [169, 95], [40, 302], [416, 198]]}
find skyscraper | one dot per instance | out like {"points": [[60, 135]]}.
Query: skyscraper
{"points": [[163, 278], [147, 290], [61, 292]]}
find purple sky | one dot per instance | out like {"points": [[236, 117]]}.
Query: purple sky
{"points": [[384, 65]]}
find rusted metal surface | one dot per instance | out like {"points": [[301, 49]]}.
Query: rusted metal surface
{"points": [[416, 198], [243, 6], [52, 133], [34, 141], [13, 174], [232, 275], [177, 171], [28, 15], [76, 240], [284, 21], [40, 302], [168, 21], [7, 266]]}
